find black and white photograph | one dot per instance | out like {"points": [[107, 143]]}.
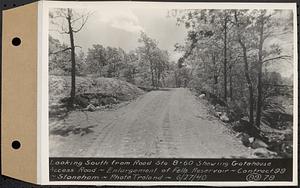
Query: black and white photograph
{"points": [[164, 82]]}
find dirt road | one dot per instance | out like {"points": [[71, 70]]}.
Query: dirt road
{"points": [[165, 123]]}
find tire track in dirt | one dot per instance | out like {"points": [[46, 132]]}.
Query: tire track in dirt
{"points": [[142, 137], [111, 143], [168, 123], [168, 144]]}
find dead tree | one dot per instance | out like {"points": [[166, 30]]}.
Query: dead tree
{"points": [[70, 22]]}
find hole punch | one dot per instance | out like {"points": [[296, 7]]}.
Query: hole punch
{"points": [[16, 144], [16, 41]]}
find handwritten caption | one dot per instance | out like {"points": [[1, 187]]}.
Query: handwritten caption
{"points": [[122, 169]]}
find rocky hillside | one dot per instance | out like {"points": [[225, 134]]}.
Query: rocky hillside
{"points": [[90, 92]]}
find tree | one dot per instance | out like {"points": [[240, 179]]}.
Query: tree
{"points": [[131, 66], [242, 24], [154, 58], [69, 22], [232, 48], [96, 59], [210, 27], [114, 59], [225, 28], [265, 28], [59, 60], [146, 52]]}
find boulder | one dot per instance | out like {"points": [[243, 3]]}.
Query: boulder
{"points": [[100, 107], [201, 96], [91, 108], [94, 102], [245, 139], [224, 117], [263, 152], [251, 140], [244, 120], [287, 150], [257, 143], [218, 114]]}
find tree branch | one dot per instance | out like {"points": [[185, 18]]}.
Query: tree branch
{"points": [[84, 20], [278, 85], [60, 51], [81, 17], [60, 32], [274, 58], [53, 53]]}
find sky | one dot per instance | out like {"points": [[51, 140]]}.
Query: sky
{"points": [[122, 28]]}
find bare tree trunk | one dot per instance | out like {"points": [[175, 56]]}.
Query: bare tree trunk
{"points": [[259, 81], [156, 77], [249, 84], [69, 15], [230, 76], [225, 59], [230, 84], [73, 70], [152, 74], [215, 76], [164, 82], [247, 75], [133, 75]]}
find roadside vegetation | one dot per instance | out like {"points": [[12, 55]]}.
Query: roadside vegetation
{"points": [[230, 57]]}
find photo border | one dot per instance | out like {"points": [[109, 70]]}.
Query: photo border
{"points": [[43, 158]]}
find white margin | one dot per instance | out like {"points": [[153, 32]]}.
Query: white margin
{"points": [[295, 102], [43, 84], [39, 96], [43, 92]]}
